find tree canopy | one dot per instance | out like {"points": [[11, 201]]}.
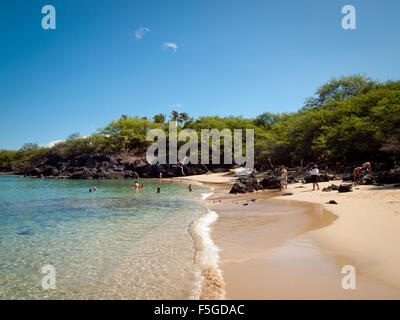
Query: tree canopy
{"points": [[351, 118]]}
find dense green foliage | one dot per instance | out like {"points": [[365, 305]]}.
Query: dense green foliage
{"points": [[349, 119]]}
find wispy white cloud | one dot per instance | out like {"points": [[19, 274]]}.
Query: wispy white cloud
{"points": [[172, 45], [139, 34], [177, 105], [53, 143]]}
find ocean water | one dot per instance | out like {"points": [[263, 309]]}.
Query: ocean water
{"points": [[116, 243]]}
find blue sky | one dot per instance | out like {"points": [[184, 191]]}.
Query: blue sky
{"points": [[233, 57]]}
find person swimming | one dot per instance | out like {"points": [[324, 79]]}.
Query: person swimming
{"points": [[158, 190], [94, 189], [90, 190]]}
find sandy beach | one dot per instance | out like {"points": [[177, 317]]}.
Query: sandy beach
{"points": [[367, 228], [295, 246]]}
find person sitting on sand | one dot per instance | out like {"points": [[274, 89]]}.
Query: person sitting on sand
{"points": [[314, 176], [158, 190], [190, 188], [283, 178]]}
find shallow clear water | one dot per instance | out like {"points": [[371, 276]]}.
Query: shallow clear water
{"points": [[116, 243]]}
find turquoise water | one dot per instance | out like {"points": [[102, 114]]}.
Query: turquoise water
{"points": [[116, 243]]}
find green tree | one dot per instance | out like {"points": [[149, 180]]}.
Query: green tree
{"points": [[160, 118], [29, 147], [174, 116], [74, 136]]}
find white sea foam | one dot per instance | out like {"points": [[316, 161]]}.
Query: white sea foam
{"points": [[208, 274], [204, 196], [212, 285], [203, 228]]}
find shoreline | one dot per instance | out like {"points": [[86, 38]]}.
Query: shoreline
{"points": [[368, 226], [308, 232]]}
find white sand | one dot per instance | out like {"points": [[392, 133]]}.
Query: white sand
{"points": [[365, 235], [367, 230]]}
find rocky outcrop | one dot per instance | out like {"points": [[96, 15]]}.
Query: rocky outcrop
{"points": [[332, 187], [388, 177], [323, 177], [107, 166], [246, 184], [271, 181], [345, 188]]}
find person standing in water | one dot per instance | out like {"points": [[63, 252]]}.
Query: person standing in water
{"points": [[314, 176], [160, 175], [283, 178], [94, 189], [158, 190], [137, 185], [190, 188], [142, 186]]}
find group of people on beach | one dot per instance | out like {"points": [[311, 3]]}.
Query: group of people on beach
{"points": [[359, 174]]}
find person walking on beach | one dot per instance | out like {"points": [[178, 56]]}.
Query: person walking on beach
{"points": [[314, 176], [283, 178]]}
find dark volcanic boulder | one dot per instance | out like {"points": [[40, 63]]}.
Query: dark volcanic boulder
{"points": [[345, 188], [82, 173], [323, 177], [34, 172], [369, 181], [388, 177], [331, 188], [271, 182], [246, 184], [349, 177], [50, 171]]}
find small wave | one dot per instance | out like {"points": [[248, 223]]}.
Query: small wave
{"points": [[212, 285], [204, 196]]}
